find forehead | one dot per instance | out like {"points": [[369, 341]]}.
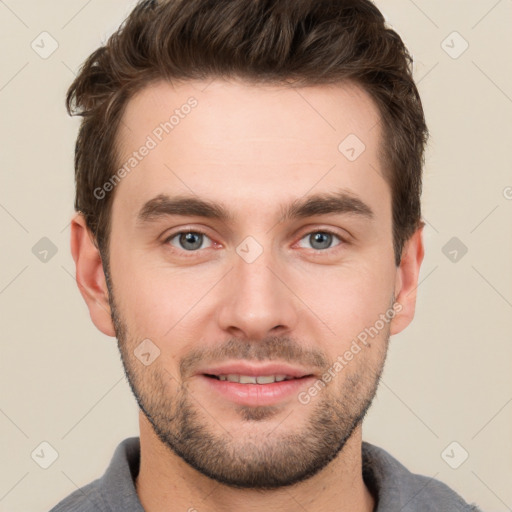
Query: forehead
{"points": [[248, 146]]}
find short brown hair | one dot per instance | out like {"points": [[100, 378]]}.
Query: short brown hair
{"points": [[285, 42]]}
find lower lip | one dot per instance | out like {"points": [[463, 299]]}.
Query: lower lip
{"points": [[257, 394]]}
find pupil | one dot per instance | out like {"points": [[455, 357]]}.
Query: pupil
{"points": [[193, 239], [323, 239]]}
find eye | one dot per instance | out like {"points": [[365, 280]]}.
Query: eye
{"points": [[320, 240], [187, 240]]}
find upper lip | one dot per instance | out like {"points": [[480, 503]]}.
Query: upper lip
{"points": [[243, 368]]}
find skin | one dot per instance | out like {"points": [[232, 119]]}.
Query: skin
{"points": [[252, 149]]}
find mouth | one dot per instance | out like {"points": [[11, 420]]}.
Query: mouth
{"points": [[253, 379], [250, 385]]}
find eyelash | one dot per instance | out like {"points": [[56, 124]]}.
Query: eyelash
{"points": [[343, 241]]}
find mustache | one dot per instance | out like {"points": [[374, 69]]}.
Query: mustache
{"points": [[272, 348]]}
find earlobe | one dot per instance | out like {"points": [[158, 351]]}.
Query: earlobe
{"points": [[406, 282], [90, 276]]}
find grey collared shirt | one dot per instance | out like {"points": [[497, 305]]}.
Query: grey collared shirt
{"points": [[396, 489]]}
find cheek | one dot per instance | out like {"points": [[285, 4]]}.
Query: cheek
{"points": [[162, 302], [348, 298], [158, 301]]}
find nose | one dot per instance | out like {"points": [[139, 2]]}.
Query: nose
{"points": [[257, 301]]}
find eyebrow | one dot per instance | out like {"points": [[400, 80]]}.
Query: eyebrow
{"points": [[189, 206]]}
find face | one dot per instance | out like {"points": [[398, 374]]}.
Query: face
{"points": [[253, 237]]}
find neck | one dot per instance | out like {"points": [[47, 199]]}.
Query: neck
{"points": [[166, 483]]}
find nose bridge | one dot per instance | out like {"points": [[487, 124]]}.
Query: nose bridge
{"points": [[256, 301]]}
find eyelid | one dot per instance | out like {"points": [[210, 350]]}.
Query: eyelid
{"points": [[343, 239], [310, 230], [186, 228], [183, 230], [315, 227]]}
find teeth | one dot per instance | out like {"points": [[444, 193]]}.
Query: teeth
{"points": [[247, 379], [264, 379], [250, 379]]}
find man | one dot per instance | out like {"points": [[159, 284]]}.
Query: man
{"points": [[249, 227]]}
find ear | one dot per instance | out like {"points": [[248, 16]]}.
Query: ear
{"points": [[406, 281], [90, 276]]}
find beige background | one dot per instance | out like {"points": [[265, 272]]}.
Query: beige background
{"points": [[448, 376]]}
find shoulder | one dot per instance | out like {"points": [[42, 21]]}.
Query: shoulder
{"points": [[396, 486], [85, 499], [115, 490]]}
